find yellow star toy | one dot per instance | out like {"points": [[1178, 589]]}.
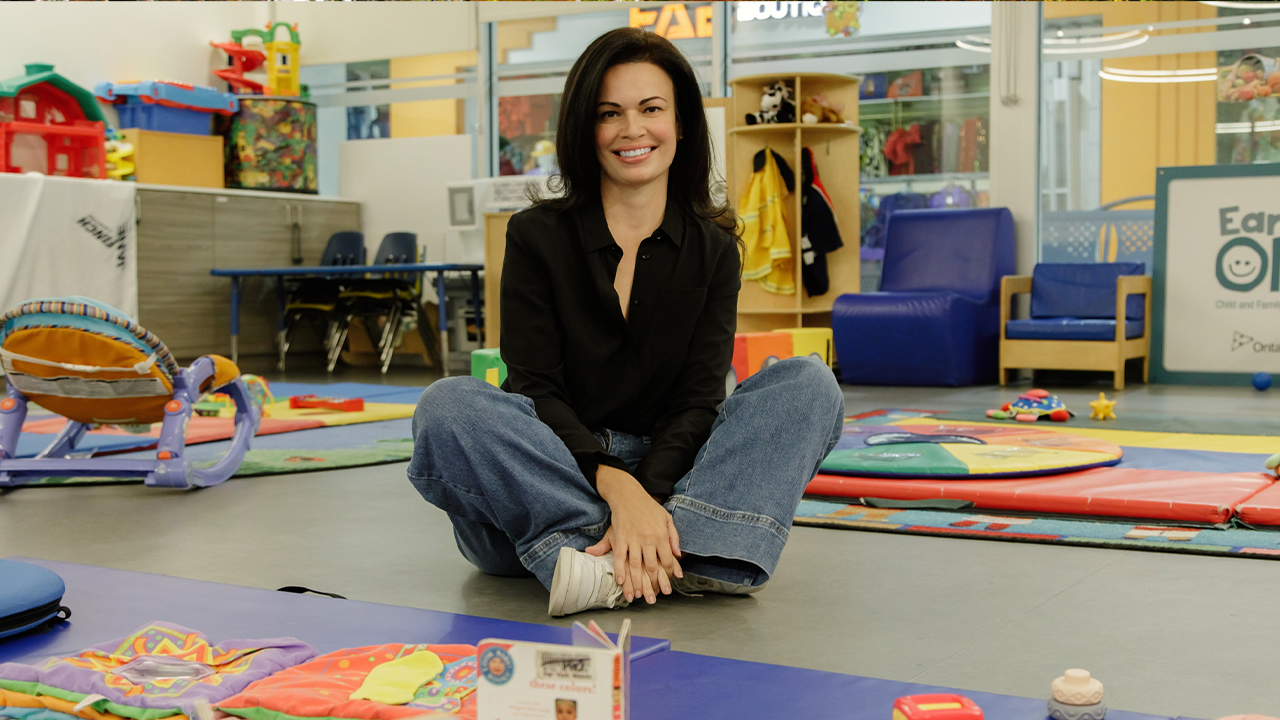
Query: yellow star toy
{"points": [[1102, 408]]}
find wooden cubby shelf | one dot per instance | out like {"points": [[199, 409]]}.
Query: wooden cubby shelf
{"points": [[835, 152]]}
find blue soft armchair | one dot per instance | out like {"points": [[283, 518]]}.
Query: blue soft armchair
{"points": [[936, 320]]}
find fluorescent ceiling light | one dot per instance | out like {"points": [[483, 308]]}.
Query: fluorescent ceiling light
{"points": [[1162, 73], [1108, 75], [1070, 46], [1240, 4], [1089, 49], [1086, 40], [1244, 127]]}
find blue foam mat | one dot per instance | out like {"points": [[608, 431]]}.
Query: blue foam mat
{"points": [[108, 604], [678, 685]]}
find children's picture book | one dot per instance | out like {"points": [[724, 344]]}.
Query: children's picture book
{"points": [[588, 680]]}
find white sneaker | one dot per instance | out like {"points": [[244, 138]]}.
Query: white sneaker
{"points": [[583, 582]]}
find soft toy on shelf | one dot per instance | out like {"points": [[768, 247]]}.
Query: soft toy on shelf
{"points": [[777, 105], [818, 109]]}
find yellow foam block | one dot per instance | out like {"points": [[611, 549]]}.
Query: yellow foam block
{"points": [[811, 341], [1258, 444], [373, 412], [993, 459]]}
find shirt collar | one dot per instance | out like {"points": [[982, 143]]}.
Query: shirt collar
{"points": [[595, 229]]}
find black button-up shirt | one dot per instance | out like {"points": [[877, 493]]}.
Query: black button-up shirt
{"points": [[659, 372]]}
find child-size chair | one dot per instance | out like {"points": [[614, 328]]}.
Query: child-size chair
{"points": [[91, 364], [391, 299], [1084, 316], [317, 298]]}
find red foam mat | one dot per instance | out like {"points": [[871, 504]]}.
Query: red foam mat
{"points": [[200, 430], [1107, 491], [1263, 508]]}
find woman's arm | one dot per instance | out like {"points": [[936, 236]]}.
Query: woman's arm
{"points": [[691, 406]]}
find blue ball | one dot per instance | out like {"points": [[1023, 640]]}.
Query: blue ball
{"points": [[1261, 380]]}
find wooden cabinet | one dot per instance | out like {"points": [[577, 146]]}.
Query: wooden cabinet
{"points": [[183, 234], [835, 152]]}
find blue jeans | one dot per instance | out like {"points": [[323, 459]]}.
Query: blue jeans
{"points": [[516, 496]]}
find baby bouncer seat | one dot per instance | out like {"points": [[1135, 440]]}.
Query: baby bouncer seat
{"points": [[91, 364]]}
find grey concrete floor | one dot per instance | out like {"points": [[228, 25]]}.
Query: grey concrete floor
{"points": [[1167, 634]]}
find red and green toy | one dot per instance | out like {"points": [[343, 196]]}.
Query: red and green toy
{"points": [[1031, 406]]}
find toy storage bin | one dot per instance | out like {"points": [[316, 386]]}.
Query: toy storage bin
{"points": [[149, 116]]}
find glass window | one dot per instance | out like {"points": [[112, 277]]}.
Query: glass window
{"points": [[925, 98], [1128, 89], [534, 57]]}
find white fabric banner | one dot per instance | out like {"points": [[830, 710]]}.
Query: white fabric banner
{"points": [[68, 236]]}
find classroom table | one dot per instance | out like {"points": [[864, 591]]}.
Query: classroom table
{"points": [[328, 271]]}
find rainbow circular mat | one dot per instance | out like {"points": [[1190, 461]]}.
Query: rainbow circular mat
{"points": [[957, 451]]}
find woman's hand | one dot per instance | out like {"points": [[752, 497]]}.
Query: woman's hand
{"points": [[642, 536]]}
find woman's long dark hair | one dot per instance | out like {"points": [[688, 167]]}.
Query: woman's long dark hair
{"points": [[689, 180]]}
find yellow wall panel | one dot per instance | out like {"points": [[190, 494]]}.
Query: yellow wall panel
{"points": [[428, 117]]}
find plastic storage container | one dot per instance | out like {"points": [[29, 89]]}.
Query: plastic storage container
{"points": [[149, 116]]}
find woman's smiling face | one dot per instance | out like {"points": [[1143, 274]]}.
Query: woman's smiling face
{"points": [[636, 128]]}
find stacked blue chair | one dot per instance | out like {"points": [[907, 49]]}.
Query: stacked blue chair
{"points": [[391, 300], [317, 299], [936, 319], [1084, 316]]}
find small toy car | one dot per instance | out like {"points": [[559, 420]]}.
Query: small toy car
{"points": [[936, 707]]}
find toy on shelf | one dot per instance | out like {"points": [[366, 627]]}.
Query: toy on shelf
{"points": [[270, 144], [940, 706], [240, 60], [119, 157], [281, 59], [1102, 408], [1261, 381], [1076, 696], [777, 105], [1031, 406], [301, 402], [50, 125], [166, 105], [819, 109]]}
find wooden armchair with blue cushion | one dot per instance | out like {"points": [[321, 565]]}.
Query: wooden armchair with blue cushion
{"points": [[1083, 317]]}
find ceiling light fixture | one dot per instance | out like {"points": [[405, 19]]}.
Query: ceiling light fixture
{"points": [[1067, 46], [1244, 127], [1158, 76], [1240, 4]]}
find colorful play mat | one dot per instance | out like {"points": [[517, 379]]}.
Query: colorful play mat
{"points": [[288, 440], [1173, 470], [964, 451]]}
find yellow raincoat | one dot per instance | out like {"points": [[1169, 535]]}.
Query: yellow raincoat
{"points": [[768, 257]]}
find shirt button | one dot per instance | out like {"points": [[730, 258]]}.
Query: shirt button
{"points": [[644, 256], [635, 302]]}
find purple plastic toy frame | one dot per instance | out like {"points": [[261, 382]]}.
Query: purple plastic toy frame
{"points": [[174, 471]]}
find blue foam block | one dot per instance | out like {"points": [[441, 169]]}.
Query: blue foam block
{"points": [[109, 604]]}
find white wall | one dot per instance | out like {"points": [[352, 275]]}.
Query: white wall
{"points": [[401, 183], [89, 43], [352, 32]]}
